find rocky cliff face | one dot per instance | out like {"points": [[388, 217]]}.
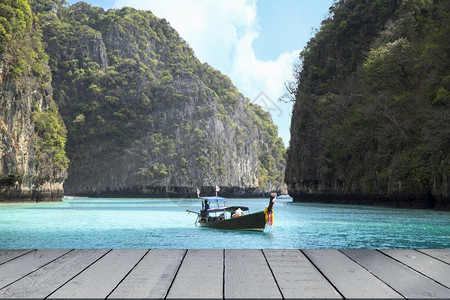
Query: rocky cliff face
{"points": [[145, 117], [370, 106], [187, 144], [28, 169]]}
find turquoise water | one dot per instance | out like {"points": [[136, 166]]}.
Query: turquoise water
{"points": [[164, 223]]}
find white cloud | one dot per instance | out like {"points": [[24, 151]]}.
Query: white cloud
{"points": [[221, 34], [211, 28], [254, 76]]}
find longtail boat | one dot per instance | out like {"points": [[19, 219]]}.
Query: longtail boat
{"points": [[220, 216]]}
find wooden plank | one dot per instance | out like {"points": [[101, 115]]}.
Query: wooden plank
{"points": [[47, 279], [431, 267], [25, 264], [247, 275], [152, 277], [297, 277], [351, 280], [9, 254], [200, 276], [441, 254], [100, 279], [404, 280]]}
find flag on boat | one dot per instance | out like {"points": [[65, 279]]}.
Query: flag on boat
{"points": [[217, 188]]}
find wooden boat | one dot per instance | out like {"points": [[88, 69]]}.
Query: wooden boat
{"points": [[233, 217]]}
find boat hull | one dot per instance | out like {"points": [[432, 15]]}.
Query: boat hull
{"points": [[251, 222]]}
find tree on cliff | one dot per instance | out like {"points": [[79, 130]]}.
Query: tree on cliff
{"points": [[371, 115]]}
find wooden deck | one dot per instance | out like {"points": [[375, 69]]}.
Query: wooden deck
{"points": [[118, 274]]}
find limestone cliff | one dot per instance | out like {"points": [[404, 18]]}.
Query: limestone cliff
{"points": [[145, 117], [32, 158], [371, 115]]}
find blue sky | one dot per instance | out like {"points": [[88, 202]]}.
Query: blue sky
{"points": [[255, 42]]}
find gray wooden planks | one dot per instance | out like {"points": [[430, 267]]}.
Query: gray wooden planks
{"points": [[50, 277], [224, 273], [431, 267], [247, 275], [7, 255], [152, 277], [100, 279], [348, 277], [200, 276], [404, 280], [15, 269], [441, 254], [297, 277]]}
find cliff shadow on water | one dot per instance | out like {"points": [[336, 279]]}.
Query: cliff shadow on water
{"points": [[394, 201], [176, 192]]}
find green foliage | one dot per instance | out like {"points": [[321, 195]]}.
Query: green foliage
{"points": [[388, 60], [25, 60], [115, 75], [271, 155], [158, 169], [442, 96], [166, 79], [50, 136], [331, 54], [372, 99], [20, 40]]}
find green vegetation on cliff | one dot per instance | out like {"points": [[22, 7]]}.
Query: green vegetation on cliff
{"points": [[32, 133], [127, 84], [52, 136], [16, 40], [371, 115], [26, 62]]}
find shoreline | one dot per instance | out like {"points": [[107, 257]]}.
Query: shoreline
{"points": [[152, 192], [399, 201], [173, 192], [33, 197], [363, 200]]}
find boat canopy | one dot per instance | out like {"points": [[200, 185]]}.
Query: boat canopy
{"points": [[213, 198], [215, 209], [233, 208], [227, 209]]}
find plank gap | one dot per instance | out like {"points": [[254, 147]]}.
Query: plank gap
{"points": [[223, 274], [273, 275], [416, 268], [84, 269], [248, 275], [45, 280], [35, 269], [424, 251], [128, 273], [200, 275], [409, 282], [324, 276], [100, 278], [176, 273], [373, 274], [18, 255]]}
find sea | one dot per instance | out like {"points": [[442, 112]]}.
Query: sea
{"points": [[80, 223]]}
